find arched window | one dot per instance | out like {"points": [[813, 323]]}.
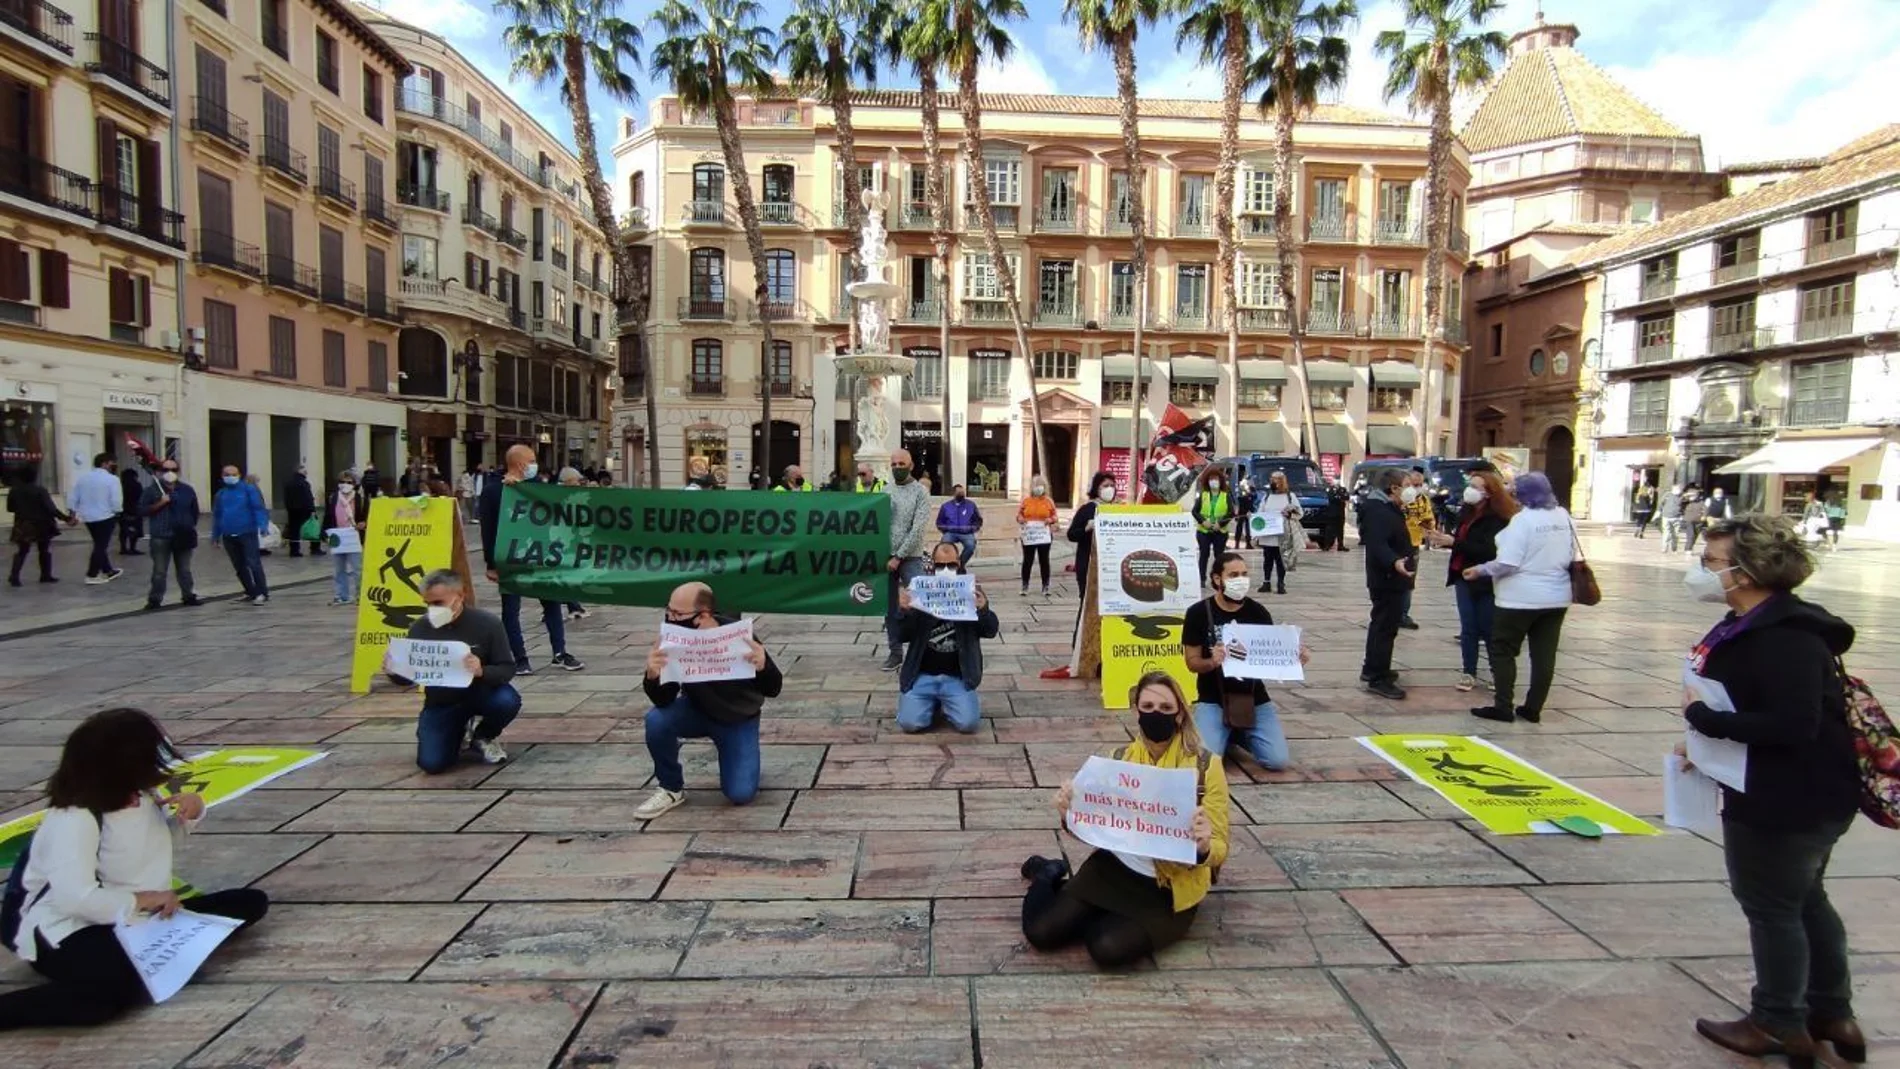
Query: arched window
{"points": [[637, 190], [706, 284], [709, 367], [423, 360], [775, 200]]}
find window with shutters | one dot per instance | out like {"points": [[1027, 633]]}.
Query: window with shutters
{"points": [[709, 372], [1121, 209], [129, 304], [326, 62], [1820, 391], [16, 284], [1649, 406], [373, 94], [379, 367], [376, 280], [275, 26], [505, 372], [55, 280], [283, 347], [335, 363], [571, 393], [221, 334], [781, 369]]}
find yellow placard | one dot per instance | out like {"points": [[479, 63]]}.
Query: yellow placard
{"points": [[407, 539], [1503, 792], [1133, 646]]}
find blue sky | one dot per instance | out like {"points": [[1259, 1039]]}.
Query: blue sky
{"points": [[1756, 78]]}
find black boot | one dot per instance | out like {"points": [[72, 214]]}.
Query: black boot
{"points": [[1038, 868]]}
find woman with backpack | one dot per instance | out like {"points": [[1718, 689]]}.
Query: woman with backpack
{"points": [[102, 855], [1777, 657]]}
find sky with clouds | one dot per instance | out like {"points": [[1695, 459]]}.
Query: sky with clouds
{"points": [[1758, 79]]}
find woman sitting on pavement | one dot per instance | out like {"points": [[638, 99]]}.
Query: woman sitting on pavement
{"points": [[1532, 577], [1776, 656], [102, 855], [1124, 907], [1488, 506], [1238, 710]]}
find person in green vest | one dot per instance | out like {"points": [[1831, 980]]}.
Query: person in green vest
{"points": [[868, 482], [794, 481], [1213, 514]]}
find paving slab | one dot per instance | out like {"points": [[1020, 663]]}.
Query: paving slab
{"points": [[1317, 803], [921, 767], [395, 811], [155, 1037], [850, 810], [736, 865], [1402, 854], [1274, 929], [961, 864], [1673, 856], [1432, 925], [811, 938], [338, 943], [610, 866], [1876, 992], [570, 941], [387, 868], [984, 937]]}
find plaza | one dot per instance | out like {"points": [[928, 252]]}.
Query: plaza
{"points": [[865, 909]]}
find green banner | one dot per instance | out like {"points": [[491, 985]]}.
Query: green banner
{"points": [[811, 554]]}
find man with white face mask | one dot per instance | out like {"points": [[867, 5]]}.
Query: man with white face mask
{"points": [[471, 718], [1226, 710]]}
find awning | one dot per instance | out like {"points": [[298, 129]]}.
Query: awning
{"points": [[1262, 438], [1263, 371], [1194, 369], [1396, 373], [1798, 456], [1329, 372], [1118, 366], [1390, 441], [1115, 433], [1333, 438]]}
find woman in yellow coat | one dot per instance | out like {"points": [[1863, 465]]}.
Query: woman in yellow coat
{"points": [[1124, 907]]}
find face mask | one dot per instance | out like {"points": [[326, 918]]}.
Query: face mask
{"points": [[1704, 584], [1473, 495], [230, 480], [1409, 494], [1718, 495], [948, 569], [1038, 491], [531, 470], [1235, 589], [346, 489], [1214, 485], [902, 475], [1157, 727], [1106, 493], [959, 495], [168, 476], [441, 615]]}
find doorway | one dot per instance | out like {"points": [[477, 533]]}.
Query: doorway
{"points": [[1560, 462], [785, 443], [925, 442], [227, 440], [1059, 468], [339, 449]]}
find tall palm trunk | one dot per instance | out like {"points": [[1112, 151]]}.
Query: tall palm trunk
{"points": [[1233, 79], [631, 296], [1288, 248], [853, 185], [1435, 237], [728, 125], [939, 240], [1124, 49], [1005, 278]]}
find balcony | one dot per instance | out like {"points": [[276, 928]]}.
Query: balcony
{"points": [[1392, 231], [1055, 221], [125, 211], [704, 213], [36, 180], [1828, 412], [1648, 423], [1193, 225], [1258, 320], [707, 386], [41, 21], [1061, 312], [421, 102], [460, 300], [279, 157], [512, 238], [1657, 288], [1822, 328], [1337, 228], [480, 220], [1256, 225], [1394, 325], [426, 197], [378, 305], [1460, 244], [1455, 332], [1123, 227], [125, 66], [1821, 252], [1124, 319], [376, 210], [340, 294], [214, 120], [1007, 216], [1328, 321], [586, 279], [285, 273], [1741, 341], [778, 213], [559, 258], [706, 309], [926, 310], [1737, 272], [517, 319], [633, 220], [777, 311], [915, 215], [1656, 352], [332, 186], [985, 311], [213, 249], [583, 343]]}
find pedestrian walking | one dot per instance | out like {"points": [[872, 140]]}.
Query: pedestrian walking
{"points": [[910, 512], [343, 510], [131, 520], [1213, 511], [1836, 519], [1643, 508], [171, 506], [370, 483], [470, 719], [958, 521], [1694, 512], [1531, 577], [300, 507], [521, 467], [239, 519], [1124, 907], [1276, 549], [101, 857], [1227, 709], [943, 659], [1777, 658], [1246, 503], [1391, 567], [1420, 518], [1669, 514], [36, 520], [1036, 517], [726, 711], [1485, 508], [1333, 520], [97, 499]]}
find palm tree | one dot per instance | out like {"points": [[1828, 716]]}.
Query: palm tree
{"points": [[712, 48], [1449, 55], [826, 44], [977, 33], [1114, 23], [1302, 54], [571, 40], [919, 35]]}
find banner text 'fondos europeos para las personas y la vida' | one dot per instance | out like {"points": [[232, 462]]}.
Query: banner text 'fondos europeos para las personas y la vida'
{"points": [[816, 554]]}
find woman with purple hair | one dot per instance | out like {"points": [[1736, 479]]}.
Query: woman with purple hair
{"points": [[1531, 581]]}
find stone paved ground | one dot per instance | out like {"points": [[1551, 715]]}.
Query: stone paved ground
{"points": [[864, 911]]}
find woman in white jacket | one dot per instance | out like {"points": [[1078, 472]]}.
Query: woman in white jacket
{"points": [[103, 854], [1531, 579]]}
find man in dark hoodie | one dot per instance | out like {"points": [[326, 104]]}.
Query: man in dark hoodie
{"points": [[943, 659], [726, 711], [1391, 565], [471, 718]]}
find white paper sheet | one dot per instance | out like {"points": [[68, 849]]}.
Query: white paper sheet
{"points": [[1722, 760], [1690, 799], [710, 655], [345, 540], [1262, 651], [1135, 809], [429, 663], [947, 597], [168, 952], [1036, 533]]}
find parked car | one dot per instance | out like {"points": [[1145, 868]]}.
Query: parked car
{"points": [[1445, 479], [1302, 477]]}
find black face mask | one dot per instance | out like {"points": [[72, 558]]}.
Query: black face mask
{"points": [[1158, 727], [703, 481]]}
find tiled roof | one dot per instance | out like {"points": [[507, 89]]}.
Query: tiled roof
{"points": [[1792, 163], [1039, 103], [1875, 156], [1548, 93]]}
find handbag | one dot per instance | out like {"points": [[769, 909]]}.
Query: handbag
{"points": [[1583, 580], [272, 537], [1237, 709], [311, 530]]}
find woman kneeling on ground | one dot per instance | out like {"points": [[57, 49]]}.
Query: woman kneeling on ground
{"points": [[103, 854], [1124, 907]]}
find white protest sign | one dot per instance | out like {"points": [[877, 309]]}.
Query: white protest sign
{"points": [[947, 597], [1146, 560], [1036, 533], [1262, 651], [695, 655], [168, 952], [1135, 809], [344, 540], [1268, 524], [430, 664]]}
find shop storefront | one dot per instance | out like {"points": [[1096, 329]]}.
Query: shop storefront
{"points": [[131, 417], [989, 458], [924, 441], [26, 438], [1335, 445]]}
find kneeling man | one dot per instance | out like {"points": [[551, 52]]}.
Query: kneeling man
{"points": [[727, 712], [943, 659], [471, 718]]}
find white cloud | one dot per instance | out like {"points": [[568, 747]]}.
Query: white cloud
{"points": [[459, 19], [1022, 72], [1180, 76], [1365, 78]]}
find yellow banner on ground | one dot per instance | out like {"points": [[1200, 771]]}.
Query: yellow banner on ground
{"points": [[1503, 792], [408, 538], [1133, 646]]}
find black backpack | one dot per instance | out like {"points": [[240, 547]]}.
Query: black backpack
{"points": [[13, 903]]}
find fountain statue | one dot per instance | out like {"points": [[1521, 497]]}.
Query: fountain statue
{"points": [[880, 368]]}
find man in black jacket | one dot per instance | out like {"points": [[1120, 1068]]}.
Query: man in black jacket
{"points": [[1391, 565], [300, 503], [521, 467], [943, 659]]}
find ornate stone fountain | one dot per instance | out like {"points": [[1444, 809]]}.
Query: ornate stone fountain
{"points": [[881, 369]]}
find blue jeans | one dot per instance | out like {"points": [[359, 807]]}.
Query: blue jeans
{"points": [[966, 544], [346, 574], [907, 569], [440, 729], [1476, 602], [918, 706], [248, 563], [1266, 741], [738, 746], [550, 616]]}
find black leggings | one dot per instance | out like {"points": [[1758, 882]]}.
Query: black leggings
{"points": [[45, 545], [1038, 555], [1272, 560], [91, 979], [1053, 920]]}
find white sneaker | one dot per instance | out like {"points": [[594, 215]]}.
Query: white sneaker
{"points": [[662, 802], [1466, 681], [97, 580], [490, 751]]}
